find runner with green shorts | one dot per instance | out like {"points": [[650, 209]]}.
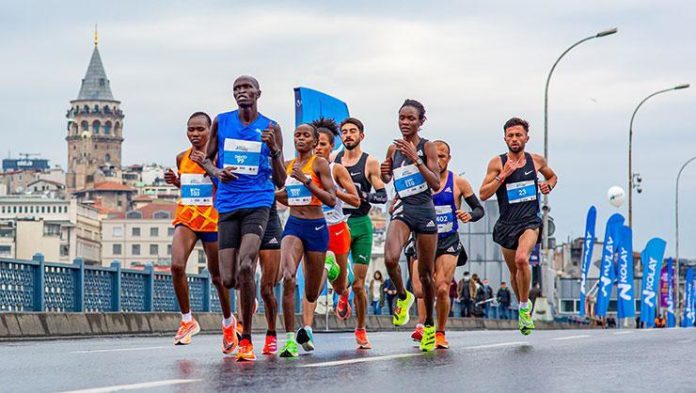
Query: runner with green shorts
{"points": [[365, 172]]}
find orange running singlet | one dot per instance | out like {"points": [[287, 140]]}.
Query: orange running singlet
{"points": [[195, 206], [298, 193]]}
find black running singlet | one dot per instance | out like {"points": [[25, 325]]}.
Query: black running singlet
{"points": [[518, 196], [409, 183], [362, 184]]}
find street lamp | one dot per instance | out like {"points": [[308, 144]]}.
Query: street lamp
{"points": [[631, 175], [545, 205], [676, 225]]}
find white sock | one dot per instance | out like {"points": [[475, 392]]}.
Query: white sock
{"points": [[187, 317], [419, 325], [524, 305], [290, 336], [309, 328], [227, 322]]}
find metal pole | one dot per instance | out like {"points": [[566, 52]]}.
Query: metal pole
{"points": [[676, 228]]}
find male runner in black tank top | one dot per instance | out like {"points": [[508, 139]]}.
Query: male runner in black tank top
{"points": [[512, 177], [364, 170]]}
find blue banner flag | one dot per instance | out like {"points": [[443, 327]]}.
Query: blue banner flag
{"points": [[651, 259], [626, 304], [587, 248], [311, 104], [671, 321], [607, 271], [689, 317]]}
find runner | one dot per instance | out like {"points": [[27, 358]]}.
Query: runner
{"points": [[196, 219], [412, 163], [336, 262], [448, 207], [306, 236], [245, 166], [365, 172], [512, 177]]}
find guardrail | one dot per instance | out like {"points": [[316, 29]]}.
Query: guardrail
{"points": [[37, 285]]}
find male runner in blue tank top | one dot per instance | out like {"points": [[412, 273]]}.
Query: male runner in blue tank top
{"points": [[245, 154], [512, 177]]}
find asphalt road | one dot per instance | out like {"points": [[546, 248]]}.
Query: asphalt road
{"points": [[486, 361]]}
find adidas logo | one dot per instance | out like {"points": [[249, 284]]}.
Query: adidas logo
{"points": [[451, 249], [448, 189], [273, 241], [430, 224]]}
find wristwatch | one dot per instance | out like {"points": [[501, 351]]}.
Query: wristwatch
{"points": [[419, 162], [308, 181]]}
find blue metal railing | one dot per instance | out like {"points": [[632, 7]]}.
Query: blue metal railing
{"points": [[37, 285]]}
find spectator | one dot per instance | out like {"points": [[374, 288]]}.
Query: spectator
{"points": [[465, 302], [504, 300], [452, 296], [376, 297], [535, 292], [488, 296], [389, 291], [479, 295]]}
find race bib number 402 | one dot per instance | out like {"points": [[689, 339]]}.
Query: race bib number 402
{"points": [[196, 189], [245, 156]]}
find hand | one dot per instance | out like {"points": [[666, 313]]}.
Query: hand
{"points": [[297, 174], [268, 137], [170, 177], [545, 187], [463, 216], [407, 149], [386, 167], [511, 166], [226, 174], [198, 157]]}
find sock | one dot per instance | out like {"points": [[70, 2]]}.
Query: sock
{"points": [[419, 325], [524, 305], [308, 328], [290, 336], [401, 296], [187, 317], [359, 329], [429, 322], [227, 322], [271, 333]]}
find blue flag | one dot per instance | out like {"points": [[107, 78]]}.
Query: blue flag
{"points": [[587, 248], [311, 104], [671, 321], [607, 271], [651, 259], [626, 304], [689, 317]]}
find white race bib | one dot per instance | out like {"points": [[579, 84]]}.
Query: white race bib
{"points": [[243, 155], [522, 191], [298, 193], [196, 189], [445, 218], [409, 181]]}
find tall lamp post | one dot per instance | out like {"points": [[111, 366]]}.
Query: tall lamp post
{"points": [[545, 206], [631, 175], [676, 226]]}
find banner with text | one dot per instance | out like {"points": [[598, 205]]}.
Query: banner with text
{"points": [[607, 271], [626, 304], [651, 259], [587, 247], [689, 317]]}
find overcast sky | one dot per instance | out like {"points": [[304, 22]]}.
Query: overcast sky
{"points": [[472, 63]]}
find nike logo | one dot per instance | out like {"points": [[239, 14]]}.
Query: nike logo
{"points": [[354, 173], [527, 173], [339, 232], [318, 228]]}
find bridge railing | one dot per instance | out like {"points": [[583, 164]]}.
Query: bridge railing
{"points": [[37, 285]]}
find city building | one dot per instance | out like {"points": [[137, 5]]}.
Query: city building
{"points": [[113, 195]]}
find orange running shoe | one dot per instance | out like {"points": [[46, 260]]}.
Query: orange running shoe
{"points": [[186, 331], [441, 341], [343, 309], [361, 339], [270, 347], [229, 338], [417, 334], [246, 351]]}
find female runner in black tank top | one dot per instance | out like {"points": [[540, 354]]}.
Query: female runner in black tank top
{"points": [[418, 206]]}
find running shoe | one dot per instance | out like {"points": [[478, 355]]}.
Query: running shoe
{"points": [[402, 309], [427, 344], [417, 334], [246, 351], [343, 309], [331, 266], [270, 347], [441, 341], [525, 322], [229, 338], [306, 339], [361, 339], [186, 331], [289, 349]]}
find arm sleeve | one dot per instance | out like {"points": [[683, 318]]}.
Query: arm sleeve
{"points": [[379, 196], [476, 209]]}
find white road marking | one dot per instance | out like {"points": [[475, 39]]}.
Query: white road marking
{"points": [[570, 337], [406, 355], [135, 386], [623, 332], [121, 349]]}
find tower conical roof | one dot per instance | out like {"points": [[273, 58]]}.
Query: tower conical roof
{"points": [[95, 85]]}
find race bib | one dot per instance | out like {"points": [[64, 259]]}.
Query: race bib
{"points": [[445, 218], [243, 155], [196, 190], [331, 214], [522, 191], [298, 193], [409, 181]]}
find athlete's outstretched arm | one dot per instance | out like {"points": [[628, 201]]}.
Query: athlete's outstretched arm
{"points": [[172, 178], [467, 192], [551, 179], [492, 180], [350, 195], [386, 169], [282, 196], [273, 137], [373, 176]]}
